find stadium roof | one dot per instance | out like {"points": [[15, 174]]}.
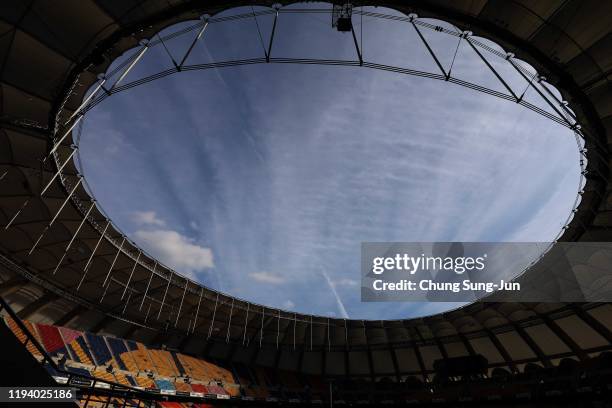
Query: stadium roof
{"points": [[51, 55]]}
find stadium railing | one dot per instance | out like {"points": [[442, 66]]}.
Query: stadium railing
{"points": [[91, 391]]}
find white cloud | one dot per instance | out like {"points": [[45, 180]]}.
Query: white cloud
{"points": [[267, 277], [147, 218], [369, 159], [288, 305], [175, 250]]}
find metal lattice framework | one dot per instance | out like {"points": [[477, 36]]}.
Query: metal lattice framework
{"points": [[117, 77], [75, 252]]}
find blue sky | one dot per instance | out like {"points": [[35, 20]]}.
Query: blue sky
{"points": [[262, 181]]}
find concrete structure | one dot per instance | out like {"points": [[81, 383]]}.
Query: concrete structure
{"points": [[62, 261]]}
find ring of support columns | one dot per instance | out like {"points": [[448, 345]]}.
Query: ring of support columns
{"points": [[566, 116], [563, 115]]}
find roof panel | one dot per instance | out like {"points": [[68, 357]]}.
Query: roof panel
{"points": [[546, 339], [580, 332], [35, 68], [64, 28]]}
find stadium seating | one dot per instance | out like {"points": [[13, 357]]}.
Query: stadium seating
{"points": [[121, 379], [145, 382], [117, 348], [128, 360], [182, 386], [164, 384], [51, 339], [103, 375], [199, 388], [171, 405], [81, 349], [132, 361], [216, 389], [205, 371], [177, 363], [135, 364], [163, 363], [77, 370], [21, 336], [98, 348], [139, 356]]}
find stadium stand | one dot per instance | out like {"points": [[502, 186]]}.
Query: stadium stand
{"points": [[103, 374], [20, 335], [182, 386], [98, 348], [453, 379], [145, 382], [51, 339], [77, 370], [164, 384], [537, 354], [117, 348], [177, 363], [162, 362], [199, 388]]}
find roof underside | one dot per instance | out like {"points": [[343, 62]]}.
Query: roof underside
{"points": [[51, 55]]}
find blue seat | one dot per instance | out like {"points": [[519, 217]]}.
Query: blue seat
{"points": [[164, 385], [98, 348], [78, 371], [117, 347]]}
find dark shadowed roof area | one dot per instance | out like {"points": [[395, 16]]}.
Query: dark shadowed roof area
{"points": [[52, 55]]}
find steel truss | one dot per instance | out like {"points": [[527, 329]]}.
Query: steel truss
{"points": [[261, 316]]}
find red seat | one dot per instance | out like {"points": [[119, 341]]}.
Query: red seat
{"points": [[199, 388], [50, 337]]}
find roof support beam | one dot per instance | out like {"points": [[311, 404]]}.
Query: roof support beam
{"points": [[19, 210], [66, 318], [502, 350], [488, 64], [88, 264], [419, 358], [12, 285], [369, 352], [74, 236], [114, 261], [533, 346], [359, 55], [42, 234], [36, 305], [581, 354], [392, 352], [144, 295], [433, 54], [398, 376], [57, 145], [132, 274], [271, 37], [593, 323], [101, 324], [467, 344], [417, 352], [165, 294], [195, 40]]}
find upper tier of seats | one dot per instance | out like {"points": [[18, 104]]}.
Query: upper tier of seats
{"points": [[132, 363]]}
